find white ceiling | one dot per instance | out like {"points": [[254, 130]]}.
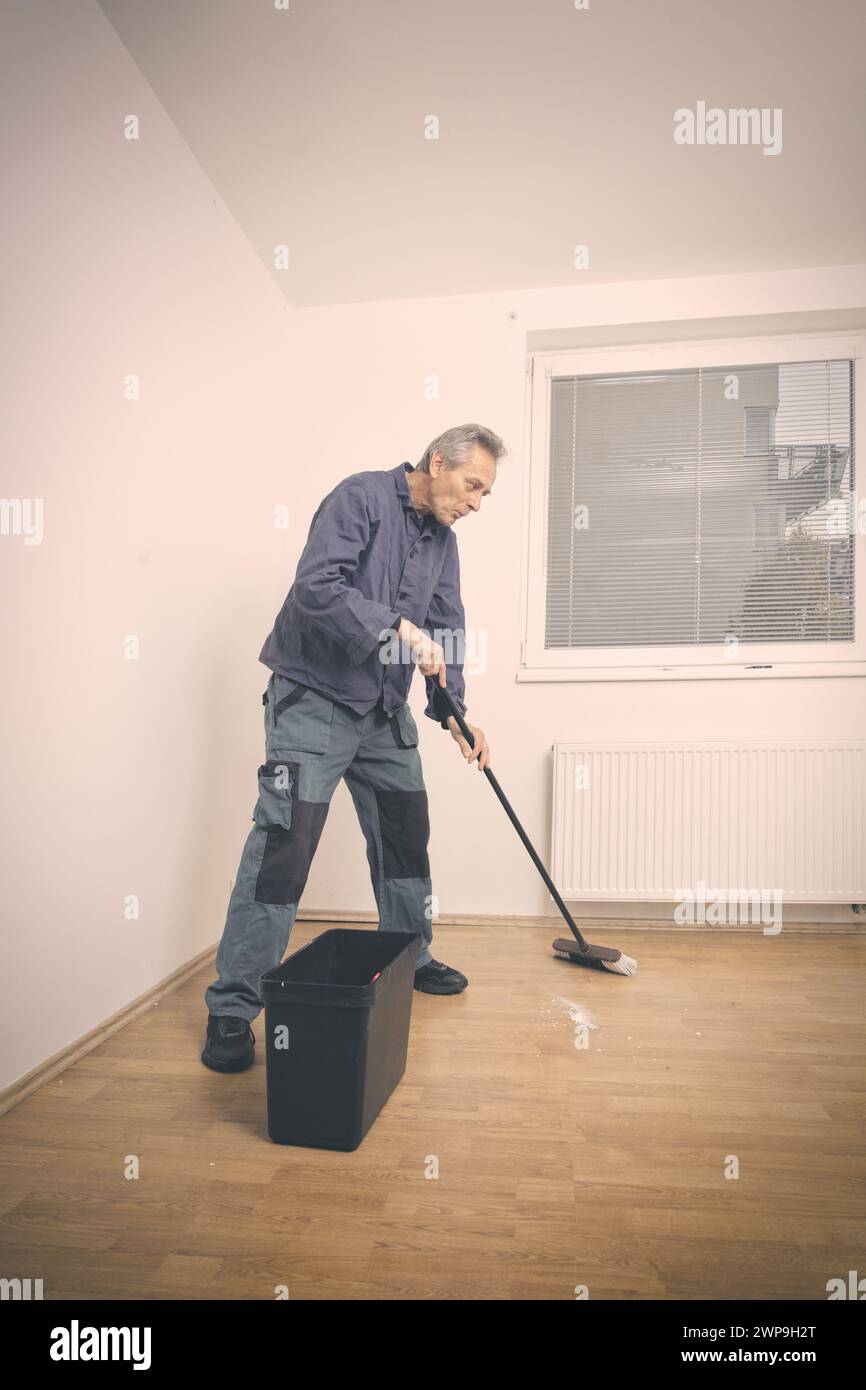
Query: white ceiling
{"points": [[556, 128]]}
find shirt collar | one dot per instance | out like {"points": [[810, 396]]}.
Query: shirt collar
{"points": [[399, 475]]}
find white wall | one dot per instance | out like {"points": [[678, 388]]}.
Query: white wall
{"points": [[125, 777]]}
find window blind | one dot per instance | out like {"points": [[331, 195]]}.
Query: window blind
{"points": [[692, 505]]}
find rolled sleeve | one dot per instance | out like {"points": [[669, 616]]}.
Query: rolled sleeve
{"points": [[446, 614], [339, 535]]}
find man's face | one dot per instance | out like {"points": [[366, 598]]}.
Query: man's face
{"points": [[455, 492]]}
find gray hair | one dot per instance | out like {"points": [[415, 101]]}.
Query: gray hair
{"points": [[456, 444]]}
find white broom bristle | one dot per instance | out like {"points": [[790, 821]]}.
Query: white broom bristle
{"points": [[626, 965]]}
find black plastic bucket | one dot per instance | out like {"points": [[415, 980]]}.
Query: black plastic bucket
{"points": [[337, 1017]]}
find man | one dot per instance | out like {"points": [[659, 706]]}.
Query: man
{"points": [[379, 574]]}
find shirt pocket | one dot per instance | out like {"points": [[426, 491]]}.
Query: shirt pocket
{"points": [[302, 718]]}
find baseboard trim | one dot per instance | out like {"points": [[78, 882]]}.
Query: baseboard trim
{"points": [[53, 1066], [586, 924]]}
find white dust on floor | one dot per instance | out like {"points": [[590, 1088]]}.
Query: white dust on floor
{"points": [[576, 1012], [564, 1011]]}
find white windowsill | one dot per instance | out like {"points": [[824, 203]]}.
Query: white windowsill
{"points": [[729, 670]]}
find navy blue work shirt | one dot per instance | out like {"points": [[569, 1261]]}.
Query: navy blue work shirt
{"points": [[370, 559]]}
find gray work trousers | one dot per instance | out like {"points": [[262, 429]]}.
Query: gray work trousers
{"points": [[310, 743]]}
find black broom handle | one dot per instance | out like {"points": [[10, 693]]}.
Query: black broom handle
{"points": [[442, 692]]}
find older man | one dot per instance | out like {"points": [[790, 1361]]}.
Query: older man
{"points": [[380, 563]]}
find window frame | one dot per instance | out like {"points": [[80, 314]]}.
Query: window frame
{"points": [[748, 660]]}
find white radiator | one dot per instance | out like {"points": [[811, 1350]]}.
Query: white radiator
{"points": [[640, 821]]}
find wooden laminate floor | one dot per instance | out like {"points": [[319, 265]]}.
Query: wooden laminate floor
{"points": [[558, 1166]]}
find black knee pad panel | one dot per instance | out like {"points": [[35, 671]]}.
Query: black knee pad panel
{"points": [[289, 853], [405, 826]]}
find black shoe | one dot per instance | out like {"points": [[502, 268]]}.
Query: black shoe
{"points": [[436, 978], [230, 1044]]}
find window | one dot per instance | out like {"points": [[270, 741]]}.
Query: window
{"points": [[759, 422], [769, 528], [691, 511]]}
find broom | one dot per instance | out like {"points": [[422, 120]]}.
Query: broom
{"points": [[580, 951]]}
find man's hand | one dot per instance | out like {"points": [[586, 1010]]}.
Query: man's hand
{"points": [[428, 655], [430, 659], [480, 751]]}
